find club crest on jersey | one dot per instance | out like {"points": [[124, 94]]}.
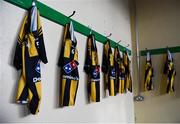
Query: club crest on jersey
{"points": [[68, 68], [38, 69]]}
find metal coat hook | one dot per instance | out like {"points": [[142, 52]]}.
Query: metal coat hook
{"points": [[127, 46], [118, 43], [147, 51], [109, 35], [34, 3], [108, 39], [167, 47], [72, 14]]}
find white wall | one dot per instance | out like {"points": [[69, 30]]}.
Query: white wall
{"points": [[158, 23], [104, 16]]}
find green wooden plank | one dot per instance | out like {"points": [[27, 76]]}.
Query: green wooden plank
{"points": [[61, 19], [161, 50]]}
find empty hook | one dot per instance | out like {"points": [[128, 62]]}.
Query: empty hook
{"points": [[72, 14], [109, 35], [118, 42], [127, 46]]}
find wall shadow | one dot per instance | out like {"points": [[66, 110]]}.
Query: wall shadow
{"points": [[58, 77]]}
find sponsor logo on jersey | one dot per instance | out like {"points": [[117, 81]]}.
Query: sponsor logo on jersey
{"points": [[68, 68], [95, 72], [113, 73], [36, 79]]}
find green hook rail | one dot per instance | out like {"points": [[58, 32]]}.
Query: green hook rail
{"points": [[161, 50], [61, 19]]}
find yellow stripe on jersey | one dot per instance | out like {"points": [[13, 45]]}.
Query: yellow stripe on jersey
{"points": [[63, 84], [171, 89], [22, 31], [76, 55], [122, 86], [22, 80], [93, 91], [21, 86], [32, 48], [39, 89], [93, 54], [67, 48], [73, 89], [112, 92]]}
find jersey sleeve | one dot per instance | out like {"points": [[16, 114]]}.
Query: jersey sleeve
{"points": [[17, 62]]}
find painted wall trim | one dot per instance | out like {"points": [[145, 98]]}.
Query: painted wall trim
{"points": [[160, 51]]}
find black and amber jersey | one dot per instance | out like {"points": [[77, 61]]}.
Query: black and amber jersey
{"points": [[120, 72], [92, 69], [170, 71], [30, 51], [68, 61], [108, 68], [148, 85], [128, 79]]}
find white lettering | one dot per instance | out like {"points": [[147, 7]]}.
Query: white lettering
{"points": [[70, 77], [95, 80], [35, 79], [121, 78], [112, 77], [37, 43]]}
